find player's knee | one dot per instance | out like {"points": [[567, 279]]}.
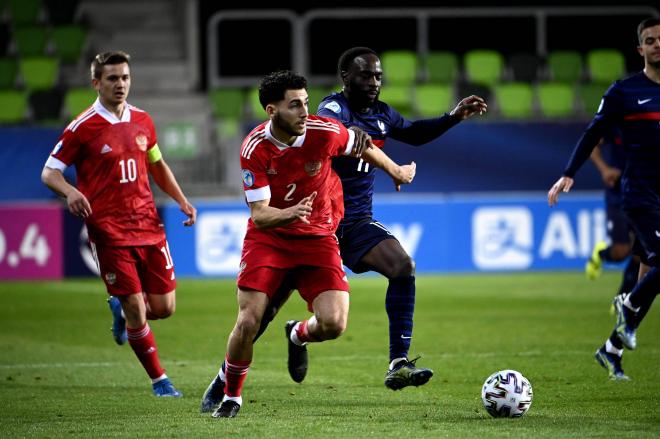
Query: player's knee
{"points": [[163, 312], [333, 327], [404, 267], [247, 326], [620, 252]]}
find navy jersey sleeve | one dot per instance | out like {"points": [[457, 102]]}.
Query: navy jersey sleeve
{"points": [[421, 131], [607, 117]]}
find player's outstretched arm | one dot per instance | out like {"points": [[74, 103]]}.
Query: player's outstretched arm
{"points": [[564, 184], [76, 202], [267, 217], [469, 106], [401, 174], [165, 180]]}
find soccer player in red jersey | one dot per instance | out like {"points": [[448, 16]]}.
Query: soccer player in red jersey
{"points": [[295, 206], [113, 146]]}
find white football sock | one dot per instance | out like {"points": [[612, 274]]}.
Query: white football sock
{"points": [[609, 348]]}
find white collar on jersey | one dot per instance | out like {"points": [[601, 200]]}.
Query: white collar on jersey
{"points": [[298, 143], [107, 115]]}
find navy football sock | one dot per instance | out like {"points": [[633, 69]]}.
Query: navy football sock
{"points": [[644, 293], [630, 275], [400, 306], [614, 339]]}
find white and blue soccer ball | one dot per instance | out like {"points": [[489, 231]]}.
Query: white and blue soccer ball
{"points": [[507, 394]]}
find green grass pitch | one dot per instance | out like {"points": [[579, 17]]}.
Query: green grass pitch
{"points": [[62, 375]]}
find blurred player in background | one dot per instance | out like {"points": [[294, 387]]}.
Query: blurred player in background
{"points": [[113, 146], [633, 105], [609, 158], [291, 190]]}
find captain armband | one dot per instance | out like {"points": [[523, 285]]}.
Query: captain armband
{"points": [[154, 154]]}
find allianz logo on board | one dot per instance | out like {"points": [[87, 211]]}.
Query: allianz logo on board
{"points": [[219, 241], [502, 238]]}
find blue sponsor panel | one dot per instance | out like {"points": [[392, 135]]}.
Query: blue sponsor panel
{"points": [[443, 233]]}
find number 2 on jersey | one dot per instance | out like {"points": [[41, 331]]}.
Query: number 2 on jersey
{"points": [[289, 195], [128, 170]]}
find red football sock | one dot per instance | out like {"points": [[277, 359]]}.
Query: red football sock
{"points": [[144, 345], [303, 334], [235, 374]]}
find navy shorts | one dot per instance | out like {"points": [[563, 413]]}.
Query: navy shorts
{"points": [[356, 239], [618, 228], [646, 225]]}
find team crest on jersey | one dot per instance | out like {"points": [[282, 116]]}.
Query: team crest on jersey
{"points": [[248, 178], [141, 142], [313, 168], [381, 125], [111, 278], [241, 267], [333, 106]]}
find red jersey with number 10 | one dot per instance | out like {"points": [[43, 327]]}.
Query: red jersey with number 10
{"points": [[286, 174], [110, 156]]}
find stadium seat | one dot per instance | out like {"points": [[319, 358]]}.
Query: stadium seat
{"points": [[39, 73], [431, 100], [61, 12], [524, 67], [227, 102], [46, 105], [590, 95], [514, 100], [24, 12], [441, 66], [565, 66], [69, 42], [77, 100], [466, 89], [483, 66], [31, 40], [8, 69], [13, 106], [399, 97], [605, 65], [556, 99], [399, 67]]}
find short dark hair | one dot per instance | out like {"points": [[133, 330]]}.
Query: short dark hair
{"points": [[649, 22], [349, 56], [107, 59], [274, 86]]}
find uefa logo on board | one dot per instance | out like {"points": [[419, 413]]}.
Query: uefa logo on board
{"points": [[502, 238]]}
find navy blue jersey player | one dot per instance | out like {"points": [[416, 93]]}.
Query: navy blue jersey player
{"points": [[609, 158], [366, 245], [633, 105]]}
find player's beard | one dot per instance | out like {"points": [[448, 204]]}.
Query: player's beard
{"points": [[288, 128]]}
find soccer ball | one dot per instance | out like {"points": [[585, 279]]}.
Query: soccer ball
{"points": [[507, 394]]}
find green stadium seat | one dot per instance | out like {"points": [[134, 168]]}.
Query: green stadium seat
{"points": [[69, 42], [13, 106], [484, 66], [399, 67], [39, 73], [399, 97], [606, 65], [556, 99], [441, 66], [77, 100], [514, 100], [8, 69], [590, 95], [565, 66], [431, 100], [227, 103], [31, 40], [24, 12]]}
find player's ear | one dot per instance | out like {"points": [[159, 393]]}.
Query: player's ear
{"points": [[271, 109], [640, 50]]}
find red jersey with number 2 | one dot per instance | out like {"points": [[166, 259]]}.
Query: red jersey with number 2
{"points": [[286, 174], [110, 156]]}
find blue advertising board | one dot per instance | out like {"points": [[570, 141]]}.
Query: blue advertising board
{"points": [[452, 233]]}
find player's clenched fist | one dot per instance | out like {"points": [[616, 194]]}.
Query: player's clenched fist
{"points": [[362, 142]]}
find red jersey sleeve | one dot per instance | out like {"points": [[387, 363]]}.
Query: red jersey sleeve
{"points": [[341, 140], [253, 171], [149, 125], [67, 151]]}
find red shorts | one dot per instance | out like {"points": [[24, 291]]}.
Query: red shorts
{"points": [[314, 262], [141, 269]]}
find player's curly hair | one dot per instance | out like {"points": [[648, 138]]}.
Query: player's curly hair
{"points": [[274, 86], [349, 56], [107, 59], [645, 24]]}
